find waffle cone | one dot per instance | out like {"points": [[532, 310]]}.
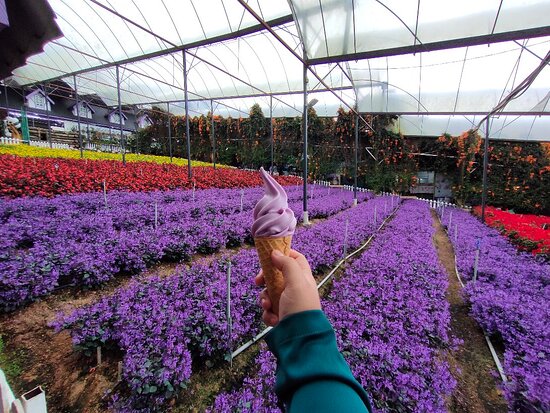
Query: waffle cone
{"points": [[274, 280]]}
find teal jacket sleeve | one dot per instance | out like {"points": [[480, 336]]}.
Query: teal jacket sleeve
{"points": [[312, 375]]}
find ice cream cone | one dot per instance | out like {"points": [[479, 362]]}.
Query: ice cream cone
{"points": [[274, 280]]}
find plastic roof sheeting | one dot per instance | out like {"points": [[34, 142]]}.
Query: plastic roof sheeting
{"points": [[522, 128], [94, 35], [283, 105], [332, 28], [253, 65], [462, 80]]}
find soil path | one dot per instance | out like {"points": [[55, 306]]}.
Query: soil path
{"points": [[472, 366]]}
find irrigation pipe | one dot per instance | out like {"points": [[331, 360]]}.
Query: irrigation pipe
{"points": [[258, 337], [487, 339]]}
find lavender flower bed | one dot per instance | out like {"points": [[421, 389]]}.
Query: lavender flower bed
{"points": [[161, 325], [391, 319], [509, 299], [76, 239]]}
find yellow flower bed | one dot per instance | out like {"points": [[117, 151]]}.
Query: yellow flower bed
{"points": [[39, 152]]}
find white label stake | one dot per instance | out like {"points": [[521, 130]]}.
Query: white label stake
{"points": [[156, 215], [242, 196], [476, 260], [105, 193], [229, 321], [346, 239], [456, 233]]}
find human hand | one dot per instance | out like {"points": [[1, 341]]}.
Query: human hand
{"points": [[300, 293]]}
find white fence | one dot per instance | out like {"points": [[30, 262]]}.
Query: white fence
{"points": [[9, 141], [103, 147], [54, 145]]}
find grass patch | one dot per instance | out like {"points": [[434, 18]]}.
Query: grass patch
{"points": [[10, 363]]}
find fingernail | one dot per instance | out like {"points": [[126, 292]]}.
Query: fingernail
{"points": [[278, 253]]}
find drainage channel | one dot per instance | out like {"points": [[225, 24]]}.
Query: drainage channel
{"points": [[494, 355]]}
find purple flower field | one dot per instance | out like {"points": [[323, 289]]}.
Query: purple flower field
{"points": [[80, 240], [510, 300], [163, 325], [391, 319]]}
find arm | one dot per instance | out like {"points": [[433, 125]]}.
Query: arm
{"points": [[312, 375]]}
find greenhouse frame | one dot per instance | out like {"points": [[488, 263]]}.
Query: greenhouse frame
{"points": [[443, 67]]}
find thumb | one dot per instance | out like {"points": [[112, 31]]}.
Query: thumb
{"points": [[288, 266]]}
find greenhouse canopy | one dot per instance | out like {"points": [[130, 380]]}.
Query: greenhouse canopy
{"points": [[441, 65]]}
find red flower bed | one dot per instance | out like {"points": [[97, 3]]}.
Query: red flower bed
{"points": [[49, 177], [528, 232]]}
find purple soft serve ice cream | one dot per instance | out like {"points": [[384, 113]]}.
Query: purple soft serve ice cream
{"points": [[272, 216]]}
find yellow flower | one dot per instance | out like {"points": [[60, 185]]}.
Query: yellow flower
{"points": [[39, 152]]}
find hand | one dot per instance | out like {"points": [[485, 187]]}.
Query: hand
{"points": [[300, 293]]}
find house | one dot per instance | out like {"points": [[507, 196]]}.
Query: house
{"points": [[38, 99], [114, 117], [84, 110], [144, 121]]}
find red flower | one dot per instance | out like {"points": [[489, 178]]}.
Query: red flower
{"points": [[529, 232], [21, 176]]}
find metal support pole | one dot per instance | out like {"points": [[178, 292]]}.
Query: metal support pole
{"points": [[213, 134], [48, 118], [189, 171], [169, 131], [120, 116], [78, 118], [88, 132], [6, 96], [271, 130], [304, 135], [485, 162], [355, 149]]}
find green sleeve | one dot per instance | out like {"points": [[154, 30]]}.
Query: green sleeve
{"points": [[312, 375]]}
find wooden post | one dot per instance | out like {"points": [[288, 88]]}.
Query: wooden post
{"points": [[119, 372]]}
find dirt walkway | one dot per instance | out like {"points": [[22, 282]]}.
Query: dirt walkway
{"points": [[472, 365]]}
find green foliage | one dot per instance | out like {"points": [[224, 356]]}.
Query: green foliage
{"points": [[9, 363], [518, 173]]}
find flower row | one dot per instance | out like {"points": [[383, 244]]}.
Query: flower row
{"points": [[163, 324], [21, 176], [510, 300], [528, 232], [391, 320], [39, 152], [87, 239]]}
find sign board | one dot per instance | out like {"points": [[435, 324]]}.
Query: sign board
{"points": [[422, 189]]}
